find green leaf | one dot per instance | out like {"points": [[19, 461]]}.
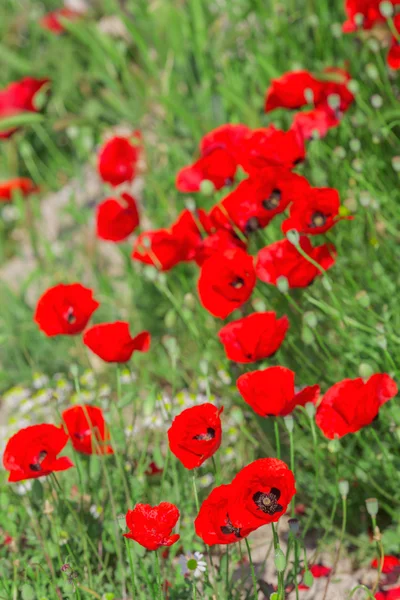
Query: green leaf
{"points": [[27, 592], [21, 120]]}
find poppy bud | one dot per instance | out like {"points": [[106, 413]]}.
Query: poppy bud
{"points": [[358, 19], [396, 163], [207, 187], [282, 284], [289, 422], [280, 560], [353, 86], [311, 319], [121, 522], [293, 237], [309, 95], [189, 300], [334, 446], [170, 319], [365, 370], [372, 506], [376, 101], [310, 409], [386, 9], [308, 578], [334, 101], [294, 526], [344, 488]]}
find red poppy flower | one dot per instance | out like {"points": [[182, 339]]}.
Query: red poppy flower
{"points": [[118, 159], [216, 243], [313, 123], [226, 281], [52, 21], [195, 434], [254, 337], [264, 489], [336, 83], [112, 342], [390, 564], [258, 199], [23, 185], [165, 248], [352, 404], [289, 91], [368, 9], [317, 571], [393, 594], [151, 526], [87, 429], [18, 97], [393, 57], [271, 393], [281, 259], [314, 212], [215, 523], [153, 469], [32, 452], [65, 309], [271, 147], [218, 159], [117, 218]]}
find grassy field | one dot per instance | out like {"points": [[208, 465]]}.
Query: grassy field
{"points": [[180, 69]]}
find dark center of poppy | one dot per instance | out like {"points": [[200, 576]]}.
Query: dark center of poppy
{"points": [[229, 528], [273, 201], [80, 436], [228, 181], [268, 503], [237, 283], [70, 316], [206, 437], [252, 225], [318, 219], [37, 465]]}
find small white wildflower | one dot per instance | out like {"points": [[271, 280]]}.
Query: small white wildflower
{"points": [[104, 391], [227, 455], [192, 564], [40, 380], [42, 396], [88, 379], [96, 511], [206, 480], [23, 488], [16, 394], [224, 376], [126, 376], [154, 421]]}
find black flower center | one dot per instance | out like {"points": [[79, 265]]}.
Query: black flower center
{"points": [[37, 465], [206, 437], [252, 225], [228, 181], [268, 503], [273, 201], [70, 316], [80, 436], [229, 528], [237, 283], [318, 219]]}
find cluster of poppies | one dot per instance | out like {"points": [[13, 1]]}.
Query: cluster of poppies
{"points": [[368, 14]]}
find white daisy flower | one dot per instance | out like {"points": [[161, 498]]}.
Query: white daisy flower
{"points": [[88, 379], [96, 511], [126, 376], [192, 564], [205, 480], [40, 380], [16, 394]]}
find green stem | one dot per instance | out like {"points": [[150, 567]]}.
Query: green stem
{"points": [[158, 576], [253, 573], [342, 532], [277, 438], [227, 571], [316, 485], [133, 577], [291, 443], [381, 555]]}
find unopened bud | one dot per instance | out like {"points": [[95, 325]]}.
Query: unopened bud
{"points": [[365, 370], [396, 163], [282, 284], [372, 505], [207, 187], [310, 409], [344, 488], [74, 370], [289, 422], [359, 19], [294, 526], [121, 522], [309, 96], [189, 300], [334, 101], [293, 236], [386, 9], [280, 560]]}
